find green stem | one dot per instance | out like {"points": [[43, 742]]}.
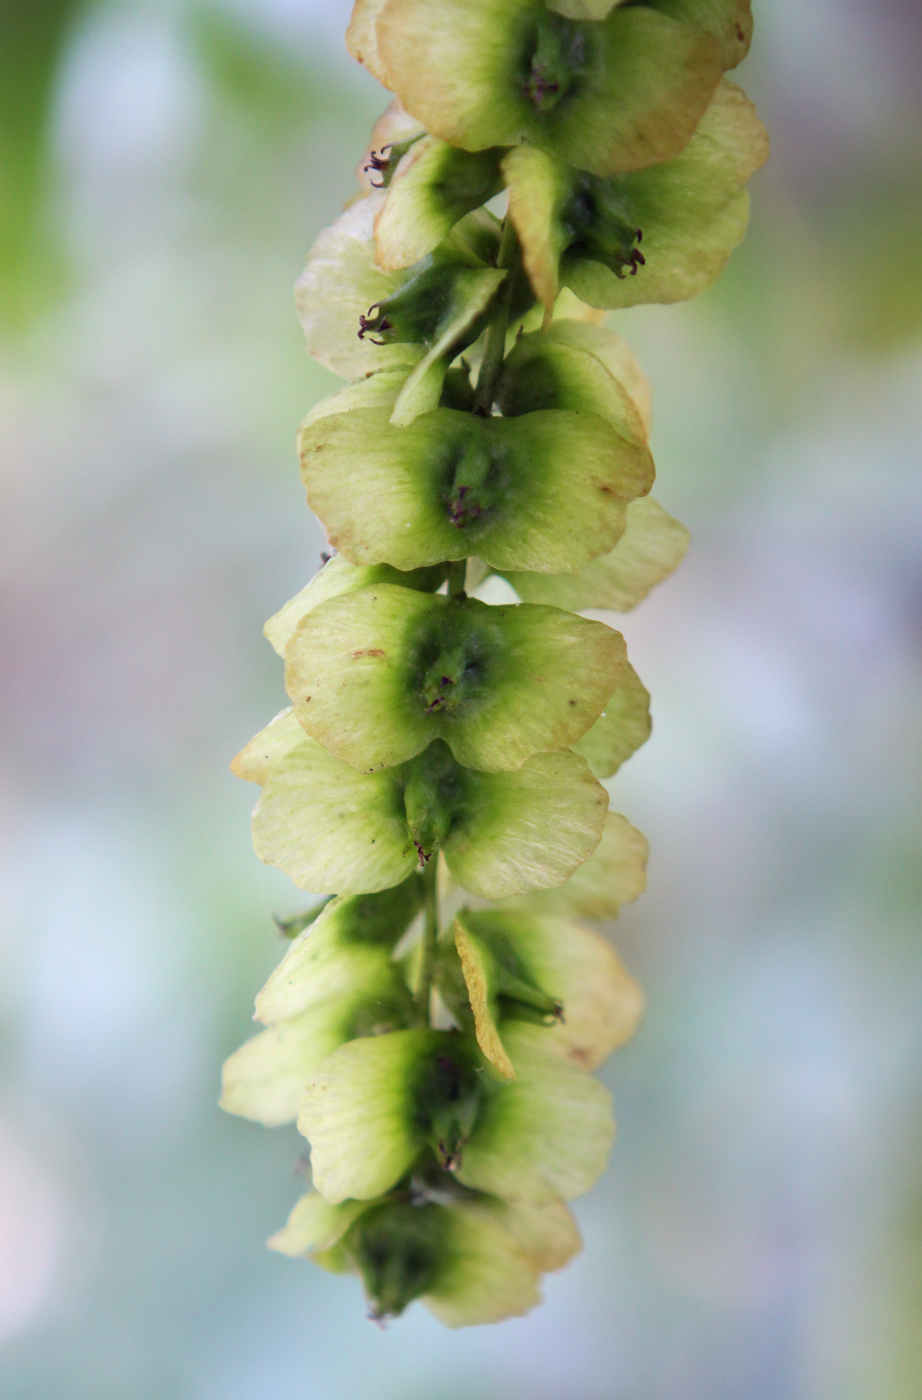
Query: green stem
{"points": [[456, 575], [494, 351], [494, 348], [430, 939]]}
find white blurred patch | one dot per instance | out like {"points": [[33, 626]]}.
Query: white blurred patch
{"points": [[307, 20], [495, 590], [129, 91], [103, 999], [30, 1232]]}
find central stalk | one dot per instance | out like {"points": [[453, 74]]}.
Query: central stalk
{"points": [[430, 939], [494, 349], [493, 355]]}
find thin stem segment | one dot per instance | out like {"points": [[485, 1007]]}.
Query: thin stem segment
{"points": [[430, 939], [457, 571], [494, 348], [493, 355]]}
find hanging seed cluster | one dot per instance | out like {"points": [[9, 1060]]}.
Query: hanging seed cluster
{"points": [[438, 780]]}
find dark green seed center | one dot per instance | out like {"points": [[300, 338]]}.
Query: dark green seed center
{"points": [[556, 54]]}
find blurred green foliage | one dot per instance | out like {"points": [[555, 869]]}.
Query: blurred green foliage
{"points": [[877, 263], [272, 85], [33, 37]]}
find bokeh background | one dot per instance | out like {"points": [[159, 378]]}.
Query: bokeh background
{"points": [[164, 167]]}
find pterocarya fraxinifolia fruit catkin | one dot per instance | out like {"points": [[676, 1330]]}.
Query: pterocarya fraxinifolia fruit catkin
{"points": [[437, 782]]}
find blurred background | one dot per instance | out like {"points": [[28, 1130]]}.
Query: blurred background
{"points": [[164, 168]]}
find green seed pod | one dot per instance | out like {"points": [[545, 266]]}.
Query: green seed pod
{"points": [[448, 309], [551, 372], [344, 298], [498, 984], [447, 1094], [432, 188], [315, 1227], [265, 1078], [686, 214], [377, 674], [436, 298], [338, 981], [369, 1117], [554, 971], [577, 325], [376, 1106], [480, 1257], [352, 942], [396, 1248], [390, 138], [580, 367], [604, 95], [546, 491], [335, 830]]}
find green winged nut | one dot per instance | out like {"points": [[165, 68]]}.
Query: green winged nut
{"points": [[379, 1107], [468, 1259], [359, 320], [413, 323], [730, 21], [377, 674], [335, 830], [338, 981], [578, 326], [352, 941], [337, 288], [392, 135], [546, 491], [686, 214], [265, 1078], [567, 369], [606, 93], [553, 971], [432, 187]]}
